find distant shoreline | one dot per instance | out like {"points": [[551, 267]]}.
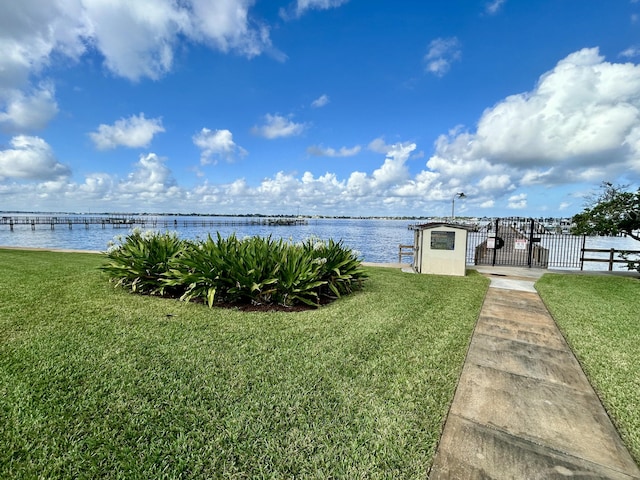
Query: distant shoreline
{"points": [[410, 218], [224, 215]]}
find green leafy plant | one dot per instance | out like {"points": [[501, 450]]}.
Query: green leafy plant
{"points": [[340, 267], [254, 270], [140, 260], [613, 212], [299, 277]]}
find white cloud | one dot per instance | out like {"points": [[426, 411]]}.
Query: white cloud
{"points": [[321, 101], [277, 126], [227, 26], [320, 151], [302, 6], [581, 123], [631, 52], [494, 6], [137, 39], [217, 144], [518, 202], [152, 187], [29, 112], [495, 183], [442, 53], [151, 179], [100, 185], [394, 169], [31, 158], [133, 132], [378, 145], [31, 30]]}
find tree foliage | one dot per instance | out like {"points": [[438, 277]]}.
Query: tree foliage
{"points": [[613, 212]]}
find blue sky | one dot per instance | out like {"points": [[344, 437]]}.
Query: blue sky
{"points": [[330, 107]]}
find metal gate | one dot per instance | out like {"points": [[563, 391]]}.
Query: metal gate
{"points": [[523, 242]]}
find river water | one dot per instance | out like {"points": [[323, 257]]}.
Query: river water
{"points": [[376, 240]]}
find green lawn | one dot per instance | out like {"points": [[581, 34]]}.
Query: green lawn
{"points": [[600, 318], [95, 382]]}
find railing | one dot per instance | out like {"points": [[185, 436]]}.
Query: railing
{"points": [[404, 251], [610, 260], [525, 249]]}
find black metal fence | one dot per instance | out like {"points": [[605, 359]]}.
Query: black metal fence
{"points": [[523, 242]]}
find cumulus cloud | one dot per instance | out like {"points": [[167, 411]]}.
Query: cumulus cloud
{"points": [[276, 126], [152, 187], [321, 101], [137, 39], [441, 54], [150, 181], [217, 144], [31, 158], [31, 30], [320, 151], [133, 132], [29, 112], [151, 174], [394, 169], [99, 185], [581, 123], [518, 201]]}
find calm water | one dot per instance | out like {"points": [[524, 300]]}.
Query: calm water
{"points": [[375, 240]]}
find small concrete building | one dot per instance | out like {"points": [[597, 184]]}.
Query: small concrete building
{"points": [[440, 248]]}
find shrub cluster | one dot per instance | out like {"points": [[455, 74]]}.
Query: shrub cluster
{"points": [[229, 270]]}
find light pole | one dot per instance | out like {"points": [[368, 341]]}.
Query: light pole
{"points": [[453, 204]]}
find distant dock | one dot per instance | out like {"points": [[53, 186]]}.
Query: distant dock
{"points": [[146, 222]]}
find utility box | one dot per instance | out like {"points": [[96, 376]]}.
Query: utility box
{"points": [[440, 249]]}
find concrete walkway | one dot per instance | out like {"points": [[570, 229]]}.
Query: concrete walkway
{"points": [[523, 408]]}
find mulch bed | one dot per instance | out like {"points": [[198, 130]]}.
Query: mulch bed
{"points": [[273, 307]]}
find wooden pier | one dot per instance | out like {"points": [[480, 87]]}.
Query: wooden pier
{"points": [[146, 222]]}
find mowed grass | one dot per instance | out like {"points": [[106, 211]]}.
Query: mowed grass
{"points": [[99, 383], [600, 319]]}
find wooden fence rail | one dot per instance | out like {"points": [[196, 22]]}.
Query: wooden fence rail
{"points": [[610, 260], [404, 251]]}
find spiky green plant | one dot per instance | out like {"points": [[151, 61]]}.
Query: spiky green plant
{"points": [[253, 270], [340, 267], [139, 261]]}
